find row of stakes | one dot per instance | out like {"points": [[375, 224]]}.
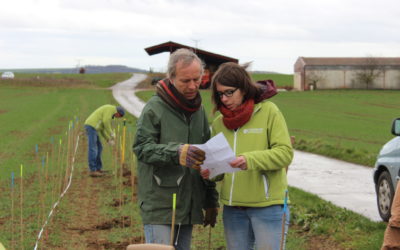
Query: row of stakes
{"points": [[54, 173]]}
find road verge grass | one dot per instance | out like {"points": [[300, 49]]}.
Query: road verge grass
{"points": [[321, 225]]}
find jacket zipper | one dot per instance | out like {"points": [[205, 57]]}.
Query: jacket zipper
{"points": [[187, 121], [265, 186], [233, 174]]}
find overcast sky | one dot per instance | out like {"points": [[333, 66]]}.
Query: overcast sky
{"points": [[270, 33]]}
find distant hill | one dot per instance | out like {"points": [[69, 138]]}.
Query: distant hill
{"points": [[89, 69]]}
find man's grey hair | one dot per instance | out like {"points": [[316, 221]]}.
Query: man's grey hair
{"points": [[185, 56]]}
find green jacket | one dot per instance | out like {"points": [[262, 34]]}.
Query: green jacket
{"points": [[101, 119], [265, 143], [160, 131]]}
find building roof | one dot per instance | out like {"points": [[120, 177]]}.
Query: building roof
{"points": [[345, 61], [207, 57], [349, 60]]}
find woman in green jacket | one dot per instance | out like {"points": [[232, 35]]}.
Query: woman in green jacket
{"points": [[256, 130]]}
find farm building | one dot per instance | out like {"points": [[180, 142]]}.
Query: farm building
{"points": [[347, 72], [211, 60]]}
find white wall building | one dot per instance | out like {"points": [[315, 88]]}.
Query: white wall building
{"points": [[341, 72]]}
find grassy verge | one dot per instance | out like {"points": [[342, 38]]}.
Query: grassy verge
{"points": [[318, 224]]}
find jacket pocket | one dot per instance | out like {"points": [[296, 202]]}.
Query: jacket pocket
{"points": [[168, 176]]}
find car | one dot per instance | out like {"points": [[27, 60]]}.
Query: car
{"points": [[7, 75], [387, 171]]}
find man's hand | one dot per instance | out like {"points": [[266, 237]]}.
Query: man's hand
{"points": [[111, 142], [191, 156], [210, 217], [205, 174]]}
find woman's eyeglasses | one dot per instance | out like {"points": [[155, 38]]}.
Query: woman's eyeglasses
{"points": [[227, 93]]}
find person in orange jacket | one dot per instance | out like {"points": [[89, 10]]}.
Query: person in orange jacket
{"points": [[391, 239]]}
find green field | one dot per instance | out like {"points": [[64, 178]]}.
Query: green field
{"points": [[36, 112], [350, 125], [281, 80]]}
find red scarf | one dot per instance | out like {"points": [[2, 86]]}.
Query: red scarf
{"points": [[166, 90], [238, 117]]}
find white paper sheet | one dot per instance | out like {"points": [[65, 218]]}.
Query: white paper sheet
{"points": [[218, 156]]}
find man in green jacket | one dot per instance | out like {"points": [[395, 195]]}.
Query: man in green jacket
{"points": [[170, 123], [99, 123]]}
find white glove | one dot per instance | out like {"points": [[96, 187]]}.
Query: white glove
{"points": [[111, 142], [112, 135]]}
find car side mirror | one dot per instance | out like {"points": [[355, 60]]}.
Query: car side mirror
{"points": [[396, 127]]}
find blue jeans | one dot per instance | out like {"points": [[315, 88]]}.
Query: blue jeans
{"points": [[261, 226], [94, 149], [161, 234]]}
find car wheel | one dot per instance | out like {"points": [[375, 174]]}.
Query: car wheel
{"points": [[385, 192]]}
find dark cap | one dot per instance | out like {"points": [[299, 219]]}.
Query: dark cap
{"points": [[121, 110]]}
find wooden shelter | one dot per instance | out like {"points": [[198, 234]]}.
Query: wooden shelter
{"points": [[211, 60]]}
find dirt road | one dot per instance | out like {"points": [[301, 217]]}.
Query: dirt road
{"points": [[344, 184], [124, 93]]}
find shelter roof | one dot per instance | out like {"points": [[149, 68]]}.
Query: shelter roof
{"points": [[206, 56]]}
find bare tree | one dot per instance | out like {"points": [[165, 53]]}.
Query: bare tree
{"points": [[370, 71], [314, 77], [398, 79]]}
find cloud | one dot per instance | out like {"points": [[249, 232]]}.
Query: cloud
{"points": [[272, 34]]}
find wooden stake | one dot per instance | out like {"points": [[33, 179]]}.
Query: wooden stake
{"points": [[115, 152], [123, 144], [209, 237], [123, 165], [56, 183], [43, 191], [120, 193], [40, 184], [12, 211], [133, 192], [21, 207], [284, 220], [46, 182], [68, 156], [173, 218]]}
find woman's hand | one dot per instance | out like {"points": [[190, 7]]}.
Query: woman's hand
{"points": [[239, 162], [205, 173]]}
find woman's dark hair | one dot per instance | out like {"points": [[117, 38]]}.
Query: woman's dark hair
{"points": [[233, 75]]}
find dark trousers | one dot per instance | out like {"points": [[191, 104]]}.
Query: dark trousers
{"points": [[94, 149]]}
